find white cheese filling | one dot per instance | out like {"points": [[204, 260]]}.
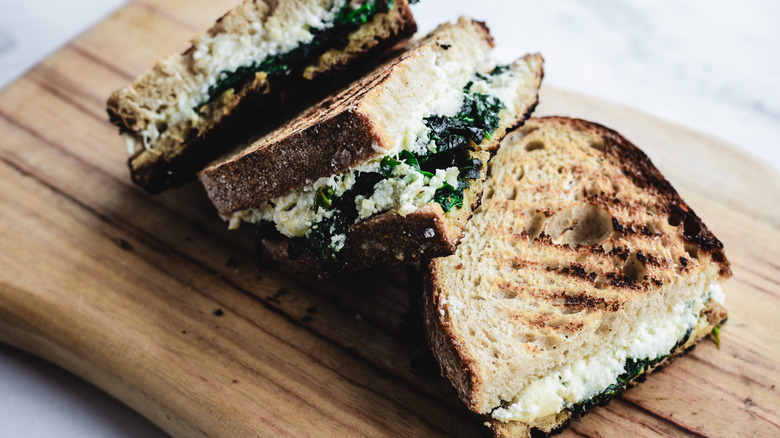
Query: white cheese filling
{"points": [[226, 51], [579, 381], [406, 190]]}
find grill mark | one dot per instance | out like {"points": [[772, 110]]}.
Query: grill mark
{"points": [[153, 242], [584, 301], [543, 321], [581, 300], [575, 270], [620, 252], [622, 281]]}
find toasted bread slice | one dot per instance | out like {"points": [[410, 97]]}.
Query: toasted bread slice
{"points": [[420, 125], [259, 64], [581, 270], [389, 238], [369, 119]]}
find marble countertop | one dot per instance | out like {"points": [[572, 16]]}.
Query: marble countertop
{"points": [[712, 68]]}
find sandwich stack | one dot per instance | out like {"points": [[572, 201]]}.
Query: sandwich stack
{"points": [[559, 265]]}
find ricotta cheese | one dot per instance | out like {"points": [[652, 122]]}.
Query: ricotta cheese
{"points": [[213, 54], [405, 191], [716, 293], [581, 380]]}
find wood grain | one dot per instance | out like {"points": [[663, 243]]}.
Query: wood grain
{"points": [[155, 302]]}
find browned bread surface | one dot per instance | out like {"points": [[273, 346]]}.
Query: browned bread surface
{"points": [[715, 315], [429, 232], [344, 130], [186, 147], [578, 238]]}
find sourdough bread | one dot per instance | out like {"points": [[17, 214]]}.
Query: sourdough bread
{"points": [[260, 63], [581, 262], [395, 111], [366, 120]]}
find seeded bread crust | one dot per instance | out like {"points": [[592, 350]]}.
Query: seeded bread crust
{"points": [[259, 106], [577, 233], [342, 131]]}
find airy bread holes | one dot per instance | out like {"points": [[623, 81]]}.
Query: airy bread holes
{"points": [[634, 270], [581, 224], [606, 324], [556, 322], [525, 337], [691, 227], [161, 127], [692, 250], [598, 145], [535, 225], [534, 145]]}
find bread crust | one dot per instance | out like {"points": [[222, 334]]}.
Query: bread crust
{"points": [[387, 247], [333, 136], [637, 166], [635, 255], [715, 315], [256, 108], [389, 239], [291, 161], [455, 362], [386, 239]]}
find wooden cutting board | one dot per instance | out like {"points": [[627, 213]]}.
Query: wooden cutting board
{"points": [[154, 301]]}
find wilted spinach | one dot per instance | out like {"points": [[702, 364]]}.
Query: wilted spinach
{"points": [[633, 369], [333, 37]]}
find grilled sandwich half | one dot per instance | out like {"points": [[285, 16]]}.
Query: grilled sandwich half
{"points": [[581, 271], [255, 67], [389, 169]]}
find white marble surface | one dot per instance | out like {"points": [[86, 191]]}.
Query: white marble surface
{"points": [[710, 66]]}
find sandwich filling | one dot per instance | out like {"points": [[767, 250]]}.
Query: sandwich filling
{"points": [[225, 63], [431, 162], [595, 379]]}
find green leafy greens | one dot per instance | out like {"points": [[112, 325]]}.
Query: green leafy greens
{"points": [[334, 36], [476, 120], [634, 368]]}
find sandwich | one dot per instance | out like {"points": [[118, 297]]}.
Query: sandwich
{"points": [[582, 271], [387, 170], [258, 65]]}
